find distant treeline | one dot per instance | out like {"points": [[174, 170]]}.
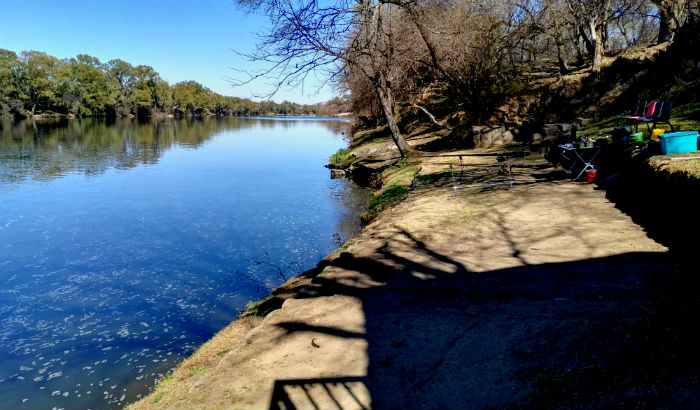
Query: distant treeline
{"points": [[36, 83]]}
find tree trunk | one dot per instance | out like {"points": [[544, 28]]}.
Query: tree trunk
{"points": [[598, 57], [580, 56], [386, 98], [597, 37], [589, 43], [670, 12], [561, 51], [667, 25], [563, 66]]}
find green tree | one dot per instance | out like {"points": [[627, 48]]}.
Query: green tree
{"points": [[207, 100], [12, 74], [121, 75], [192, 98], [163, 95], [83, 86], [183, 97], [86, 89], [41, 83], [141, 98], [268, 106], [144, 96], [8, 67]]}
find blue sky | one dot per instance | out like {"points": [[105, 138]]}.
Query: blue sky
{"points": [[181, 40]]}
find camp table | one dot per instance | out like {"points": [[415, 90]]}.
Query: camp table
{"points": [[578, 154]]}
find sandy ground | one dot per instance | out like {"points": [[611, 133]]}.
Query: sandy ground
{"points": [[441, 302]]}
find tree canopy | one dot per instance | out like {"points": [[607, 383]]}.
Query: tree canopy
{"points": [[34, 82]]}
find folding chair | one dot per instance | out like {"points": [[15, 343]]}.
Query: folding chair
{"points": [[663, 117]]}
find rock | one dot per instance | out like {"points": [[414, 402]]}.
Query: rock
{"points": [[338, 174], [508, 137], [557, 129], [487, 136], [550, 130]]}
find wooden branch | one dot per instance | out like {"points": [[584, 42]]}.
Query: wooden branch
{"points": [[431, 116]]}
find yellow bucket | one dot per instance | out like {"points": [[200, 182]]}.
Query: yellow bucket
{"points": [[656, 132]]}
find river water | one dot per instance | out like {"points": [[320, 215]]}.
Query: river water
{"points": [[124, 246]]}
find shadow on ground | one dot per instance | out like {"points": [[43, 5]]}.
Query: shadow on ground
{"points": [[665, 207], [592, 333]]}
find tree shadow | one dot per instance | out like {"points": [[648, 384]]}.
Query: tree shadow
{"points": [[589, 332]]}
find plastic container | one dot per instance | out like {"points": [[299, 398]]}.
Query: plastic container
{"points": [[678, 142], [656, 132]]}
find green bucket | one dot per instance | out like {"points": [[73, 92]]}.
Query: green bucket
{"points": [[636, 137]]}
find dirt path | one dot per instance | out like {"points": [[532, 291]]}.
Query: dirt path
{"points": [[483, 300]]}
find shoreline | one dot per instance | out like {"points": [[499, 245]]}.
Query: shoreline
{"points": [[363, 316], [163, 115]]}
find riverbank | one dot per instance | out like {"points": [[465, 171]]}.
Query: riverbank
{"points": [[544, 296]]}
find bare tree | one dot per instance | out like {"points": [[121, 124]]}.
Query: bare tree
{"points": [[592, 17], [634, 23], [671, 15], [388, 53], [558, 34], [307, 37]]}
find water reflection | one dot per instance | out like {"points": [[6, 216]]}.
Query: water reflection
{"points": [[47, 149], [123, 246]]}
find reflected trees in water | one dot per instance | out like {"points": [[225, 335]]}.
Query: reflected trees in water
{"points": [[47, 149]]}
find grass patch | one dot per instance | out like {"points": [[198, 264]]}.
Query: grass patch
{"points": [[158, 397], [165, 379], [686, 117], [199, 370], [389, 195], [436, 177], [344, 247], [253, 304], [223, 352], [401, 173], [341, 157], [689, 169], [466, 217], [605, 125], [161, 386], [396, 181]]}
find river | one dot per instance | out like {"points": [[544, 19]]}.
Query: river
{"points": [[125, 245]]}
